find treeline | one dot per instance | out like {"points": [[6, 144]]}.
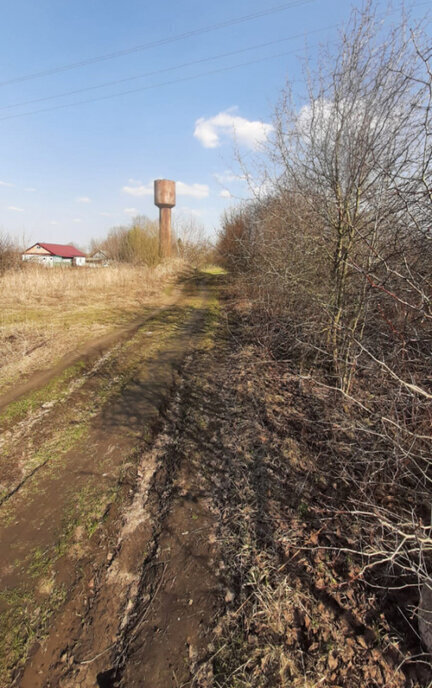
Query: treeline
{"points": [[136, 243], [335, 255]]}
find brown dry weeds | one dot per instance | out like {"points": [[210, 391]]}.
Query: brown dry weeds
{"points": [[45, 313], [298, 611]]}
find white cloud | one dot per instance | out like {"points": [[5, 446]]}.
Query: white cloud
{"points": [[29, 188], [77, 219], [106, 214], [53, 222], [131, 211], [83, 199], [194, 190], [5, 184], [190, 211], [324, 118], [138, 189], [229, 125], [261, 189], [14, 207], [225, 194], [228, 177], [182, 189], [317, 116]]}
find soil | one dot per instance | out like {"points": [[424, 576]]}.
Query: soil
{"points": [[184, 537], [144, 617]]}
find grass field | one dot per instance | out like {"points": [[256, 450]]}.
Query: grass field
{"points": [[45, 313]]}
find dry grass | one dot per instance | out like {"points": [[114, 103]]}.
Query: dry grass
{"points": [[45, 313], [297, 612]]}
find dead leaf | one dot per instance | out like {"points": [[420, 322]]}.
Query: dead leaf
{"points": [[332, 662]]}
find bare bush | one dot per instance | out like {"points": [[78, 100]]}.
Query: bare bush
{"points": [[9, 254], [191, 243], [137, 243], [336, 262]]}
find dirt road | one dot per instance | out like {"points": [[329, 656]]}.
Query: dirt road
{"points": [[86, 519]]}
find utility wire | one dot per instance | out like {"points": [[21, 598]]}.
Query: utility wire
{"points": [[160, 42], [166, 69], [181, 79], [151, 86]]}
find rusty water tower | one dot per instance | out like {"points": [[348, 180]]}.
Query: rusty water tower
{"points": [[165, 199]]}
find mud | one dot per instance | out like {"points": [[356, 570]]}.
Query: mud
{"points": [[148, 618]]}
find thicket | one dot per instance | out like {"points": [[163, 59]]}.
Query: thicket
{"points": [[136, 244], [334, 258], [9, 253], [191, 243]]}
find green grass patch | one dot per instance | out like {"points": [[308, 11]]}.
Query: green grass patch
{"points": [[52, 391], [23, 618], [214, 270], [51, 453], [23, 315]]}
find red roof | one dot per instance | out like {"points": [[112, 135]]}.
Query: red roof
{"points": [[61, 250]]}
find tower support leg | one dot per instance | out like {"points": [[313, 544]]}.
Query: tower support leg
{"points": [[165, 232]]}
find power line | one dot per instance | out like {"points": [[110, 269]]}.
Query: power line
{"points": [[150, 86], [160, 42], [178, 80], [166, 69]]}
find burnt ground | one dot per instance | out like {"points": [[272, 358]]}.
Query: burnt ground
{"points": [[214, 561]]}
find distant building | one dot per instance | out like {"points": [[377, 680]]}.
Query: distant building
{"points": [[98, 259], [54, 254]]}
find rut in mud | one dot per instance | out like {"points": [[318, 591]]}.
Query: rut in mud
{"points": [[148, 611]]}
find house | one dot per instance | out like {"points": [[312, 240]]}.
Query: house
{"points": [[54, 254], [98, 259]]}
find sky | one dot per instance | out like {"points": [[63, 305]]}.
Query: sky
{"points": [[99, 97]]}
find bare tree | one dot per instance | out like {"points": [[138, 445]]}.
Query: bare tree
{"points": [[340, 153], [337, 262], [136, 243], [9, 253], [191, 242]]}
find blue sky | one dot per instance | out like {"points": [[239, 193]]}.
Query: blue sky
{"points": [[69, 172]]}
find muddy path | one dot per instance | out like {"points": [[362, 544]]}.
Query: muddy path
{"points": [[145, 616], [74, 477]]}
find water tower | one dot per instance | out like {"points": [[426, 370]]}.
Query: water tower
{"points": [[165, 199]]}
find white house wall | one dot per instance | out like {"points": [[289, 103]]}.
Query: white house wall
{"points": [[50, 261], [43, 259]]}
